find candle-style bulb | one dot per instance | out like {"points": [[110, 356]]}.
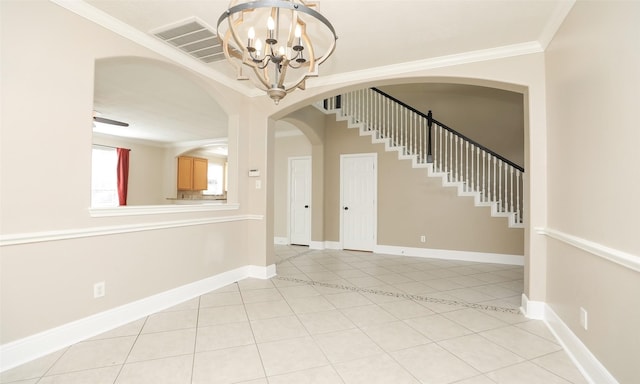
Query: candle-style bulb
{"points": [[251, 33], [298, 31], [271, 24]]}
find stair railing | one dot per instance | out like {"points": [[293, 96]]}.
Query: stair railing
{"points": [[461, 159]]}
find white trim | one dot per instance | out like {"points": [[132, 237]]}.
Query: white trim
{"points": [[75, 233], [264, 273], [111, 23], [554, 23], [622, 258], [332, 245], [32, 347], [480, 257], [280, 240], [319, 245], [587, 363], [431, 63], [532, 309], [189, 206]]}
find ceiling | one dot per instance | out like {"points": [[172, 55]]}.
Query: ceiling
{"points": [[371, 34]]}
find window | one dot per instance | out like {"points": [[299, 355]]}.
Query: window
{"points": [[215, 179], [104, 177]]}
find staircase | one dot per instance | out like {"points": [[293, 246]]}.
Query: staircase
{"points": [[458, 161]]}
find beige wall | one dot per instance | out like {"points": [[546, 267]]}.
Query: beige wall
{"points": [[410, 204], [58, 136], [492, 117], [146, 171], [523, 73], [593, 88], [45, 175]]}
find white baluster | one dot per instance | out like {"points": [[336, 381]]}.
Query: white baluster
{"points": [[494, 178], [454, 160], [518, 214], [466, 163], [511, 188], [366, 110], [500, 203], [379, 124], [485, 192], [459, 161], [472, 184], [447, 153], [477, 168], [401, 126]]}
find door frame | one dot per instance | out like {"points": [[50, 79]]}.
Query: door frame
{"points": [[374, 157], [289, 181]]}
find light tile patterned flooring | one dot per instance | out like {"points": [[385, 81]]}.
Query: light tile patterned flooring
{"points": [[329, 317]]}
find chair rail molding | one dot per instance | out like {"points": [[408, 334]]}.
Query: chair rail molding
{"points": [[75, 233], [619, 257]]}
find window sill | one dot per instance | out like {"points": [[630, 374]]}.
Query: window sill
{"points": [[136, 210]]}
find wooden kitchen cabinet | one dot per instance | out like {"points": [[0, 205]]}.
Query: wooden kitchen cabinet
{"points": [[192, 173]]}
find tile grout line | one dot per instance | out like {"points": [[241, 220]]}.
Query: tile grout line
{"points": [[195, 341], [115, 380], [489, 307], [402, 295], [253, 334]]}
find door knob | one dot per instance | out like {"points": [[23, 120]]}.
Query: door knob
{"points": [[346, 208], [306, 206]]}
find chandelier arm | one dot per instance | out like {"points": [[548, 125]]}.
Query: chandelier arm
{"points": [[277, 62], [283, 72]]}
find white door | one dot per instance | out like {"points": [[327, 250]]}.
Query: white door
{"points": [[358, 188], [300, 200]]}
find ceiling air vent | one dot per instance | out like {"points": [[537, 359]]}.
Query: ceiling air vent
{"points": [[194, 38]]}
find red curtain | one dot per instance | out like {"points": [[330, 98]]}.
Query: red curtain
{"points": [[123, 174]]}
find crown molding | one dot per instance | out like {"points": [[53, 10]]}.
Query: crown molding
{"points": [[431, 63], [109, 22], [554, 22]]}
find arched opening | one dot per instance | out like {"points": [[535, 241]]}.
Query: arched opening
{"points": [[479, 101], [169, 111]]}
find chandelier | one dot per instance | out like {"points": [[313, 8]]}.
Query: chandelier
{"points": [[282, 41]]}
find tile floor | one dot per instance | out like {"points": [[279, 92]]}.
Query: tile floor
{"points": [[329, 317]]}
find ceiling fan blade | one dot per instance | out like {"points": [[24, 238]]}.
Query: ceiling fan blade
{"points": [[109, 121]]}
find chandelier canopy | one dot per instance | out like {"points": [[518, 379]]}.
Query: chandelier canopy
{"points": [[282, 41]]}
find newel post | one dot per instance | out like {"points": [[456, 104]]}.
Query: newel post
{"points": [[429, 124]]}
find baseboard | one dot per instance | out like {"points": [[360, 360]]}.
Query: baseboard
{"points": [[332, 245], [586, 362], [481, 257], [319, 245], [532, 309], [261, 272], [280, 241], [32, 347]]}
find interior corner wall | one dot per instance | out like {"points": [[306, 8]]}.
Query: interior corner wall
{"points": [[410, 204], [593, 77]]}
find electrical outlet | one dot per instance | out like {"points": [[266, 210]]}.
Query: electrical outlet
{"points": [[423, 239], [98, 289], [584, 319]]}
